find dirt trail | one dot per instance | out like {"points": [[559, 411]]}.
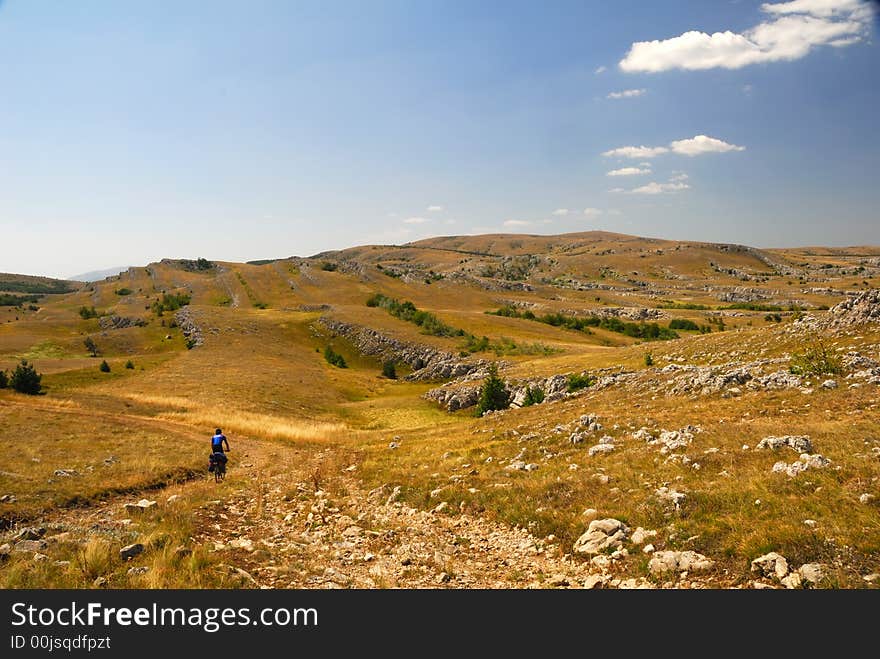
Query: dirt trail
{"points": [[299, 517], [289, 534]]}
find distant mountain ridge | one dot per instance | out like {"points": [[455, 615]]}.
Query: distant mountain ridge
{"points": [[98, 275]]}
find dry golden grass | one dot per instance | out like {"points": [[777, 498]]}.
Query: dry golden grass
{"points": [[261, 376]]}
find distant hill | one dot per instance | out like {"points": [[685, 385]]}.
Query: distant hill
{"points": [[33, 285], [98, 275]]}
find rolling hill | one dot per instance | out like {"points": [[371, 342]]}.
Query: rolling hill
{"points": [[676, 413]]}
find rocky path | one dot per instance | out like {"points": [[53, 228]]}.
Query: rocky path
{"points": [[288, 534]]}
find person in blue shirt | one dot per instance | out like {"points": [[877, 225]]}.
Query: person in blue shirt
{"points": [[217, 461], [217, 442]]}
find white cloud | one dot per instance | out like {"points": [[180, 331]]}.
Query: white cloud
{"points": [[659, 188], [592, 212], [627, 93], [628, 171], [791, 31], [560, 212], [635, 152], [434, 209], [693, 146], [679, 176], [416, 220], [815, 7], [616, 190], [516, 223], [600, 70], [700, 144]]}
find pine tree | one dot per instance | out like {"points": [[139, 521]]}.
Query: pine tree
{"points": [[105, 367], [25, 379], [493, 395]]}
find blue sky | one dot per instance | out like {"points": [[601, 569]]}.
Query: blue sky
{"points": [[132, 131]]}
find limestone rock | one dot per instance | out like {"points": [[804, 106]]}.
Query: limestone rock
{"points": [[130, 551], [772, 566], [602, 535], [678, 561]]}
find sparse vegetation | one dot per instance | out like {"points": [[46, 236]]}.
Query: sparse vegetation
{"points": [[644, 331], [334, 358], [87, 312], [123, 291], [4, 380], [578, 381], [534, 396], [170, 302], [91, 346], [649, 359], [818, 359], [329, 266], [389, 370], [9, 300], [129, 365], [104, 367]]}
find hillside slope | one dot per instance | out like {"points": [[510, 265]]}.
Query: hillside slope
{"points": [[716, 402]]}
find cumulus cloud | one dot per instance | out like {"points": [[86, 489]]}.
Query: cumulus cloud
{"points": [[560, 212], [416, 220], [592, 212], [627, 93], [636, 152], [678, 176], [693, 146], [700, 144], [600, 69], [516, 223], [434, 209], [628, 171], [660, 188], [790, 32]]}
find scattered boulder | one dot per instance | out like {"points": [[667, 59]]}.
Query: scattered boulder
{"points": [[863, 308], [640, 535], [678, 561], [600, 448], [138, 571], [812, 573], [798, 443], [772, 566], [30, 533], [141, 506], [806, 461], [130, 551], [29, 546], [667, 495], [602, 535]]}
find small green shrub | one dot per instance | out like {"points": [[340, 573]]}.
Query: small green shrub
{"points": [[105, 367], [4, 380], [334, 358], [389, 370], [91, 346], [87, 312], [129, 364], [534, 396], [649, 359], [816, 360], [577, 382], [123, 291]]}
